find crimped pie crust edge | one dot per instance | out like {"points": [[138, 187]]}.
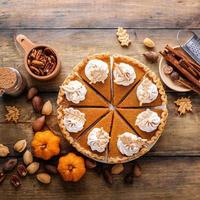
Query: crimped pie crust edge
{"points": [[150, 143]]}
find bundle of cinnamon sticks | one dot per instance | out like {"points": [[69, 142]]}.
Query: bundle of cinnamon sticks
{"points": [[189, 70]]}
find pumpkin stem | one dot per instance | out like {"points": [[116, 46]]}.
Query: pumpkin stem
{"points": [[70, 167], [43, 146]]}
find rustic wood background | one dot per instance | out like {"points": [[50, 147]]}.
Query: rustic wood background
{"points": [[77, 28]]}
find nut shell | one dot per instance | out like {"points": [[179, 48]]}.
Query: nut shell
{"points": [[149, 43], [44, 178], [47, 108], [20, 146], [33, 168], [4, 150], [27, 157]]}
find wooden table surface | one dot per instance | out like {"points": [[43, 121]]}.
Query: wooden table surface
{"points": [[76, 28]]}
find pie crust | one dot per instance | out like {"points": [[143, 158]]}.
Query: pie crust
{"points": [[105, 94]]}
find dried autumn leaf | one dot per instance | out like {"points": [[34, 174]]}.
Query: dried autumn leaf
{"points": [[12, 114], [184, 105], [123, 37]]}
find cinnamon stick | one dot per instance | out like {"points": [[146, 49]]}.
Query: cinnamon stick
{"points": [[184, 72], [188, 68], [189, 85], [181, 55]]}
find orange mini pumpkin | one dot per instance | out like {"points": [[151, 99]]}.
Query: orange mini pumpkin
{"points": [[45, 145], [71, 167]]}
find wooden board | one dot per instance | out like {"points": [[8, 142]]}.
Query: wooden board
{"points": [[162, 178], [74, 45], [79, 28], [99, 14]]}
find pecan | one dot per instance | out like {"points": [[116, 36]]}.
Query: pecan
{"points": [[51, 169], [21, 170], [107, 176], [2, 177], [33, 54], [15, 181], [48, 51], [10, 165], [34, 70], [37, 63], [128, 178], [38, 54], [137, 170], [90, 164]]}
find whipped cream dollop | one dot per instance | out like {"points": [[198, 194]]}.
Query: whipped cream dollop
{"points": [[75, 91], [74, 120], [98, 139], [129, 144], [147, 91], [124, 74], [96, 71], [147, 121]]}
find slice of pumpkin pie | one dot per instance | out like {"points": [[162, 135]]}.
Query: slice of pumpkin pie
{"points": [[146, 123], [124, 142], [75, 92], [94, 142], [126, 74], [148, 92], [95, 70], [74, 121]]}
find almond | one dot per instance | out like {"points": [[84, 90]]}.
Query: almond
{"points": [[149, 43], [27, 157], [137, 170], [32, 92], [117, 169], [44, 178], [33, 168], [47, 108], [37, 103], [20, 146], [38, 124], [4, 150]]}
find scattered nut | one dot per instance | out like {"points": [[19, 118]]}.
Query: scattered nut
{"points": [[149, 43], [51, 169], [137, 171], [151, 56], [32, 92], [2, 177], [27, 157], [44, 178], [47, 108], [117, 169], [15, 181], [90, 164], [37, 103], [167, 69], [128, 178], [33, 168], [174, 76], [108, 176], [9, 165], [21, 170], [20, 146], [4, 150], [38, 124]]}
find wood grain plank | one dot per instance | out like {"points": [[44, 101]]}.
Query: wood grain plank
{"points": [[74, 45], [162, 178], [177, 139], [99, 14]]}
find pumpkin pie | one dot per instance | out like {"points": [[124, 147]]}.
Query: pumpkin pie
{"points": [[146, 123], [96, 71], [127, 72], [93, 143], [148, 92], [74, 121], [112, 108], [75, 92]]}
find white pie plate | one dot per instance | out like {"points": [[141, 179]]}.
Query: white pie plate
{"points": [[167, 80]]}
